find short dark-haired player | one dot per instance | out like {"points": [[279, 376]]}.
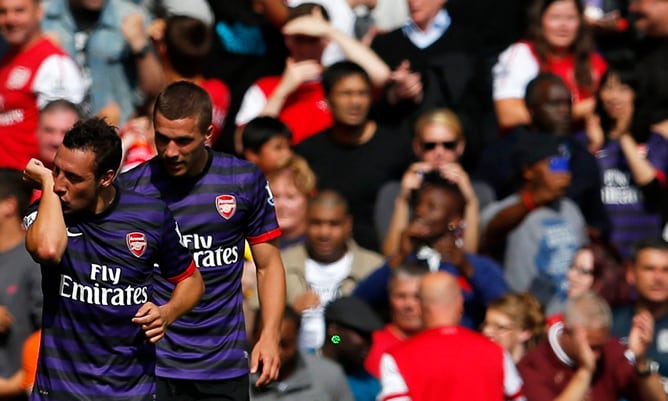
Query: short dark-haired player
{"points": [[98, 245], [219, 202]]}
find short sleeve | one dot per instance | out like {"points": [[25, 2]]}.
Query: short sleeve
{"points": [[175, 261], [262, 224], [513, 71]]}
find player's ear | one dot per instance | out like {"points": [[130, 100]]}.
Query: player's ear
{"points": [[107, 178]]}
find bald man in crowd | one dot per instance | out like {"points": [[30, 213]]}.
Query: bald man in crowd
{"points": [[452, 371]]}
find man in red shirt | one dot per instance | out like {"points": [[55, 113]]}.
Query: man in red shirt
{"points": [[447, 361], [579, 361], [405, 315]]}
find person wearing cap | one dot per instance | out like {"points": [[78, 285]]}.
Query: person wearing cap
{"points": [[303, 377], [537, 230], [349, 323], [438, 364]]}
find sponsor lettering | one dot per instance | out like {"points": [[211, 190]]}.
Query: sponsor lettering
{"points": [[96, 294], [204, 256]]}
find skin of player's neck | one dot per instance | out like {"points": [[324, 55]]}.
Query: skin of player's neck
{"points": [[105, 199]]}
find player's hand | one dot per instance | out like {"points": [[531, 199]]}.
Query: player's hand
{"points": [[152, 320], [37, 174], [6, 320], [266, 352]]}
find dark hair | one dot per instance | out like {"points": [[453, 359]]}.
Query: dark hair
{"points": [[531, 92], [62, 104], [260, 130], [624, 70], [415, 269], [306, 9], [648, 243], [339, 70], [609, 274], [96, 135], [435, 179], [582, 46], [13, 186], [329, 198], [183, 99], [187, 41]]}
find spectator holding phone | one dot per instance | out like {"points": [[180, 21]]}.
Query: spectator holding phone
{"points": [[537, 230]]}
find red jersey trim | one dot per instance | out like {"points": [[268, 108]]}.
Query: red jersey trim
{"points": [[187, 273], [661, 177], [516, 396], [266, 237], [464, 284]]}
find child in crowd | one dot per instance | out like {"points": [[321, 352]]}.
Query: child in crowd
{"points": [[266, 142]]}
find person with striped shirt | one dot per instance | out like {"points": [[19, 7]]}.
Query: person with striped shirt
{"points": [[97, 245], [219, 202]]}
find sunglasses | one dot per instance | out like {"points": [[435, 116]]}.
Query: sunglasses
{"points": [[450, 145]]}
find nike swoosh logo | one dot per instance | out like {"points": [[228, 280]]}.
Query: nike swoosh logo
{"points": [[71, 234]]}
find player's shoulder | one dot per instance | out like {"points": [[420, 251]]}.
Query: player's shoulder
{"points": [[228, 164]]}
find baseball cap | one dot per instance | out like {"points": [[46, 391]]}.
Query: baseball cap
{"points": [[531, 148], [354, 313]]}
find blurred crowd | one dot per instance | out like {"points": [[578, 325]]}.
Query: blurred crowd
{"points": [[494, 167]]}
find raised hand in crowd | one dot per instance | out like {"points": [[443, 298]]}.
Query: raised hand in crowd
{"points": [[406, 85]]}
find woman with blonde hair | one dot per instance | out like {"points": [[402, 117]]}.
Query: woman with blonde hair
{"points": [[292, 185], [438, 144], [515, 321]]}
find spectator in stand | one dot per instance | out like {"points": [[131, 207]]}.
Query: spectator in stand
{"points": [[292, 185], [516, 322], [405, 313], [303, 377], [549, 103], [453, 370], [109, 40], [355, 140], [439, 144], [632, 160], [537, 230], [298, 93], [434, 236], [183, 47], [559, 42], [33, 71], [437, 61], [20, 284], [326, 266], [647, 273], [349, 323], [266, 143], [55, 119], [580, 360], [651, 49], [596, 267]]}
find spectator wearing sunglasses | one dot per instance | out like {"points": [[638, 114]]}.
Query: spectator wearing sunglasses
{"points": [[438, 144]]}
